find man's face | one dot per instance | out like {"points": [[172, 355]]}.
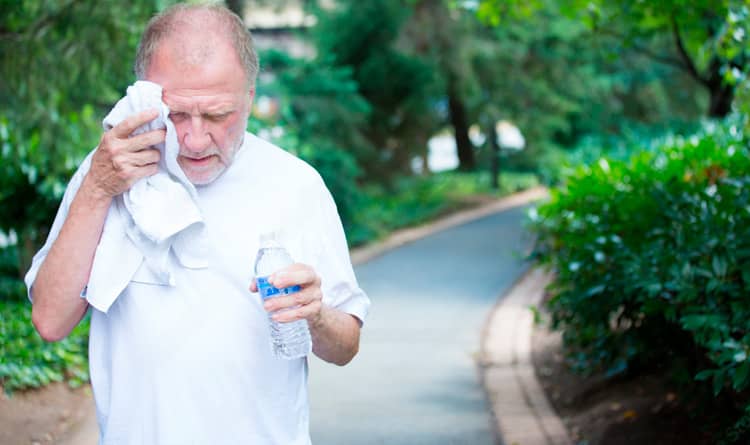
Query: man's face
{"points": [[208, 101]]}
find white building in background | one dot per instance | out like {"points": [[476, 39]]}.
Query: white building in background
{"points": [[8, 239], [509, 136], [288, 16], [441, 148], [277, 27], [441, 153]]}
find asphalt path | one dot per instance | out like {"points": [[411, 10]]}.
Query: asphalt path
{"points": [[415, 380]]}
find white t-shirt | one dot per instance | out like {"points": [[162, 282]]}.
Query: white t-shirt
{"points": [[192, 363]]}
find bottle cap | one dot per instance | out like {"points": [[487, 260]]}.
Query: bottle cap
{"points": [[268, 239]]}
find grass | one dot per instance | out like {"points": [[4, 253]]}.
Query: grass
{"points": [[413, 201]]}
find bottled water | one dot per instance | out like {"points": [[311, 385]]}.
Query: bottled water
{"points": [[288, 340]]}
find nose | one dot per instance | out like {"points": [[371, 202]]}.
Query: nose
{"points": [[196, 138]]}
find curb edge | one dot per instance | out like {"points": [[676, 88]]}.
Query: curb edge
{"points": [[522, 413]]}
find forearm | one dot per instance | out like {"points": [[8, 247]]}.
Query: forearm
{"points": [[335, 336], [57, 305]]}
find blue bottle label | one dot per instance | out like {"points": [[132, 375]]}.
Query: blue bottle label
{"points": [[267, 291]]}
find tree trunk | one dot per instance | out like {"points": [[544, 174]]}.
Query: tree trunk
{"points": [[464, 147], [495, 153], [721, 93], [721, 100], [237, 7]]}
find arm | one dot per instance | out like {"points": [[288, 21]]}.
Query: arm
{"points": [[335, 334], [57, 306], [118, 162]]}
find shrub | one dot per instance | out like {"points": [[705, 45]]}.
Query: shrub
{"points": [[652, 258], [30, 362]]}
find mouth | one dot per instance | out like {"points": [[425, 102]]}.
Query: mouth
{"points": [[198, 162]]}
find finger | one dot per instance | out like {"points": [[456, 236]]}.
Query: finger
{"points": [[301, 298], [146, 140], [138, 173], [150, 170], [296, 274], [303, 312], [254, 285], [128, 126], [145, 157]]}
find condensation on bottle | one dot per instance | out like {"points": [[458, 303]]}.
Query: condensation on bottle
{"points": [[288, 340]]}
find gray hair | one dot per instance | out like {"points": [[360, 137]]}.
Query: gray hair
{"points": [[171, 19]]}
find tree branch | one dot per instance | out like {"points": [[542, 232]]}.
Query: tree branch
{"points": [[8, 34], [682, 51], [678, 63]]}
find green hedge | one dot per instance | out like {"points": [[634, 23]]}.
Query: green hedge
{"points": [[30, 362], [652, 258]]}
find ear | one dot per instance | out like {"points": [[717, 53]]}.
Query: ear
{"points": [[251, 97]]}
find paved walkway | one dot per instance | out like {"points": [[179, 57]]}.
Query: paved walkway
{"points": [[416, 379]]}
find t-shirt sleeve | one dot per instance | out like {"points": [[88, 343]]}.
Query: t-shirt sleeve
{"points": [[62, 214], [333, 263]]}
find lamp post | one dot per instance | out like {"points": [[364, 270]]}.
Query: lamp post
{"points": [[503, 136], [495, 157]]}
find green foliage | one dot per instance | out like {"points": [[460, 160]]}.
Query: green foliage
{"points": [[59, 59], [63, 64], [30, 191], [563, 83], [652, 258], [556, 164], [30, 362], [12, 287], [706, 39], [364, 36]]}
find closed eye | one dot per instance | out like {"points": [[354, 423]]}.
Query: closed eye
{"points": [[178, 116], [216, 117]]}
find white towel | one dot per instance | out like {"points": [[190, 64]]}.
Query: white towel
{"points": [[158, 215]]}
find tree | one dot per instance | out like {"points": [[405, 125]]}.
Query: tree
{"points": [[442, 35], [686, 34], [364, 35], [544, 78]]}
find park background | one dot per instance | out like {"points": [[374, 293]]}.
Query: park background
{"points": [[634, 113]]}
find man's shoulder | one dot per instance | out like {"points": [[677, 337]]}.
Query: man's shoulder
{"points": [[279, 160]]}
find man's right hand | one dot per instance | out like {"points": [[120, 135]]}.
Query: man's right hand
{"points": [[121, 160]]}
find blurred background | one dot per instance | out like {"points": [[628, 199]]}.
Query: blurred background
{"points": [[408, 108]]}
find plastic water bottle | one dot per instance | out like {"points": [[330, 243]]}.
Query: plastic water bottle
{"points": [[288, 340]]}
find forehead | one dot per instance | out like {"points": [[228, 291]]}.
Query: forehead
{"points": [[198, 73]]}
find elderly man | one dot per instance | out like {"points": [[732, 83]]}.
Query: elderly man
{"points": [[189, 362]]}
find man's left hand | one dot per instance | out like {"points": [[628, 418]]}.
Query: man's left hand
{"points": [[306, 303]]}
